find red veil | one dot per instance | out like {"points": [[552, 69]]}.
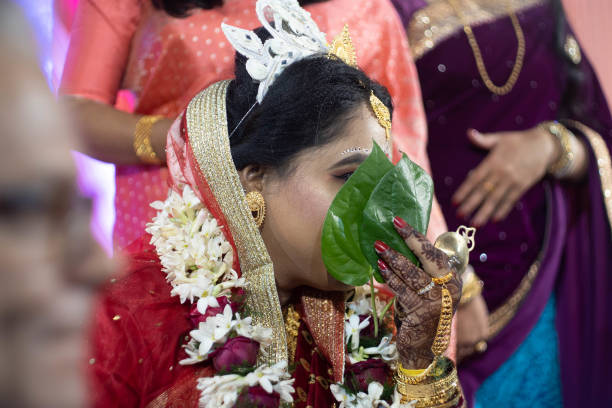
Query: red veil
{"points": [[139, 329]]}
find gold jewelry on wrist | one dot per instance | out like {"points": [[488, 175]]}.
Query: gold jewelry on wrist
{"points": [[565, 163], [142, 139], [439, 391], [405, 376], [443, 279], [440, 343], [472, 287]]}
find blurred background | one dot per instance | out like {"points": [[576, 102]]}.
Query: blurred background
{"points": [[52, 20]]}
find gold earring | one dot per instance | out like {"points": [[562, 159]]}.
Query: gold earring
{"points": [[257, 206]]}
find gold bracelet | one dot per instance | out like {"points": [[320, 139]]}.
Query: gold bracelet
{"points": [[440, 391], [443, 280], [566, 139], [440, 343], [472, 287], [142, 140], [404, 376]]}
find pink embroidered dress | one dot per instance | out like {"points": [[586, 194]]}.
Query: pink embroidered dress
{"points": [[127, 45]]}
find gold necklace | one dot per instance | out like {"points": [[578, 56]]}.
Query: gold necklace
{"points": [[482, 70]]}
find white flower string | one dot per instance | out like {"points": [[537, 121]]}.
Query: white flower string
{"points": [[197, 261], [359, 313]]}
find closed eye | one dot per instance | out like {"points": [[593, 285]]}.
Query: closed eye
{"points": [[344, 177]]}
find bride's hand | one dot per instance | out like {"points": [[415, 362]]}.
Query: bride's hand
{"points": [[416, 315]]}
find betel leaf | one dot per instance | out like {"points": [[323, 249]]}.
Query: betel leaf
{"points": [[340, 244], [407, 192]]}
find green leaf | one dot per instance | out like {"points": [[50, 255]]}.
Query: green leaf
{"points": [[407, 192], [340, 244]]}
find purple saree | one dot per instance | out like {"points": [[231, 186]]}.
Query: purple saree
{"points": [[558, 237]]}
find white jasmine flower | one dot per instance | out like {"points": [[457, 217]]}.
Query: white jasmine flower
{"points": [[206, 300], [213, 331], [262, 335], [352, 328], [285, 389], [194, 356], [265, 376], [386, 350], [375, 390], [220, 391], [243, 327], [361, 306], [346, 399], [191, 288], [190, 199]]}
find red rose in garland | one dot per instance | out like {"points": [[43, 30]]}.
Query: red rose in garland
{"points": [[236, 352], [358, 376], [257, 397]]}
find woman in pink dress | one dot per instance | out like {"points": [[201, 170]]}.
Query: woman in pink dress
{"points": [[164, 55]]}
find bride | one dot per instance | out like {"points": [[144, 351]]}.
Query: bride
{"points": [[227, 301]]}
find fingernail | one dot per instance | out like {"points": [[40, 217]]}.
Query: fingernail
{"points": [[381, 247], [399, 223], [382, 265]]}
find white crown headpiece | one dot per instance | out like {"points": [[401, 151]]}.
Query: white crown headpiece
{"points": [[295, 36]]}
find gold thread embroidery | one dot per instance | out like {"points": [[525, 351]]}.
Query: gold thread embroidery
{"points": [[503, 314], [305, 364], [302, 396], [604, 163], [207, 124], [437, 21], [292, 325]]}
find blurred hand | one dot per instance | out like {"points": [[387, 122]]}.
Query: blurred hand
{"points": [[517, 160], [472, 326]]}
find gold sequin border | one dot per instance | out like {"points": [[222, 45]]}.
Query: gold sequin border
{"points": [[604, 163], [209, 140], [437, 21]]}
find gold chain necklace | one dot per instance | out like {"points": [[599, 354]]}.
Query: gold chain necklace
{"points": [[482, 70]]}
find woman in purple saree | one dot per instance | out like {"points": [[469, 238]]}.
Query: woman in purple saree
{"points": [[544, 244]]}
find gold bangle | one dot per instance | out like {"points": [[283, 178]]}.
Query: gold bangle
{"points": [[142, 140], [440, 343], [404, 376], [472, 287], [566, 139], [431, 393], [443, 280]]}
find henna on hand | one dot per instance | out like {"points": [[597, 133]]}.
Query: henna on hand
{"points": [[416, 315]]}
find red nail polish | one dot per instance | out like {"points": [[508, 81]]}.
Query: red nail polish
{"points": [[381, 247], [382, 265], [399, 223]]}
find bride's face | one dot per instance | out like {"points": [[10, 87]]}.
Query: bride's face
{"points": [[297, 202]]}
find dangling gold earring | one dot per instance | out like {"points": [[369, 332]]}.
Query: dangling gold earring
{"points": [[257, 205]]}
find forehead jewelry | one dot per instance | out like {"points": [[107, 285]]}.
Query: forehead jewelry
{"points": [[355, 149]]}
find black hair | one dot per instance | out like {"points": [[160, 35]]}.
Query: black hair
{"points": [[307, 106], [182, 8]]}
